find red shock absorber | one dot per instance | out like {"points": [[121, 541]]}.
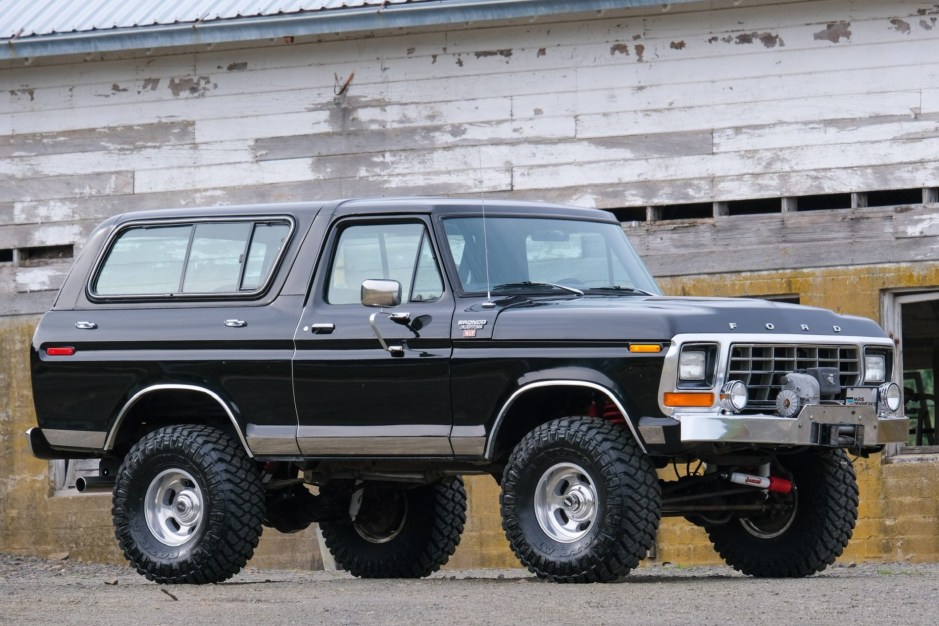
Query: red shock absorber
{"points": [[612, 414], [770, 483]]}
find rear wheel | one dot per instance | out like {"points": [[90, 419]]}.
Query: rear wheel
{"points": [[802, 532], [188, 505], [394, 530], [580, 501]]}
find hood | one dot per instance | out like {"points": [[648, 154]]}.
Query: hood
{"points": [[658, 318]]}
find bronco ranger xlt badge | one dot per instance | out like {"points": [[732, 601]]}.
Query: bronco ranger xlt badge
{"points": [[346, 363]]}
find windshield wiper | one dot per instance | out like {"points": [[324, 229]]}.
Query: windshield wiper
{"points": [[619, 289], [524, 285]]}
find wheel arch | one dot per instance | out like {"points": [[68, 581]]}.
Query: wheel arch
{"points": [[175, 401], [546, 390]]}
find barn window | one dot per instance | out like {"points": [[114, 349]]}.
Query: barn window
{"points": [[913, 317]]}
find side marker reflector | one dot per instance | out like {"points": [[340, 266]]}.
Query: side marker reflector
{"points": [[61, 351]]}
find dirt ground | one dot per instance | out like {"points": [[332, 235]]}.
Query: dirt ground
{"points": [[37, 591]]}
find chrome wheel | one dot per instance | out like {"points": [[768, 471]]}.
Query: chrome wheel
{"points": [[174, 507], [773, 525], [566, 502], [382, 517]]}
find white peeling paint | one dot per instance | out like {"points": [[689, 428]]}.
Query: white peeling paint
{"points": [[921, 226], [50, 211], [56, 235], [40, 278]]}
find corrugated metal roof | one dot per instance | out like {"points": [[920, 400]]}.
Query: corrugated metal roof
{"points": [[28, 18], [39, 28]]}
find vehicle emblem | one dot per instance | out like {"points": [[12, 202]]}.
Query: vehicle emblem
{"points": [[469, 327], [836, 328], [733, 325], [805, 327], [770, 326]]}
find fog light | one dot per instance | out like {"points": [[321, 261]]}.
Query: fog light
{"points": [[734, 396], [890, 396]]}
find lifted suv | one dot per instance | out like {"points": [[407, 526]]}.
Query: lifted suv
{"points": [[347, 362]]}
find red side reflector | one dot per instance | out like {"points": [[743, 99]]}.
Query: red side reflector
{"points": [[61, 351]]}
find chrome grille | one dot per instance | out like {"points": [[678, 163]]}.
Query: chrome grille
{"points": [[762, 366]]}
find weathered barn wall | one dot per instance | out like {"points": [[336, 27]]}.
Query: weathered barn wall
{"points": [[706, 102], [715, 102]]}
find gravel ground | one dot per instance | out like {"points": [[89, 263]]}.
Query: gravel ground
{"points": [[38, 591]]}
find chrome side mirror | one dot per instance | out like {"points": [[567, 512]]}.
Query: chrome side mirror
{"points": [[381, 293]]}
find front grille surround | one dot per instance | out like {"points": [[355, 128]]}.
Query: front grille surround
{"points": [[762, 366]]}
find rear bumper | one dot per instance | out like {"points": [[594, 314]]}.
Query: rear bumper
{"points": [[821, 425], [40, 447]]}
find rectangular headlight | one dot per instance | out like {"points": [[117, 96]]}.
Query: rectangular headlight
{"points": [[875, 368], [692, 365]]}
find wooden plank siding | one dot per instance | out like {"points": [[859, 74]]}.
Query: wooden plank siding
{"points": [[711, 102]]}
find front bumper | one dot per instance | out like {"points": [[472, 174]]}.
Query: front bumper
{"points": [[821, 425]]}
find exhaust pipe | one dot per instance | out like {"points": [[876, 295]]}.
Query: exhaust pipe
{"points": [[94, 484]]}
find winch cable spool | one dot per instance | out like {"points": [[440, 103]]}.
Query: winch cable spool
{"points": [[799, 389]]}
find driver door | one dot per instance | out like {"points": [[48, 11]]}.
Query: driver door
{"points": [[353, 396]]}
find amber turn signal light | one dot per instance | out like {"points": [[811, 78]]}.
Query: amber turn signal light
{"points": [[645, 347], [688, 399]]}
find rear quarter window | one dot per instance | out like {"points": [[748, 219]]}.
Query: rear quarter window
{"points": [[200, 259]]}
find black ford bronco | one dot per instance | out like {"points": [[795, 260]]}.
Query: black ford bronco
{"points": [[346, 363]]}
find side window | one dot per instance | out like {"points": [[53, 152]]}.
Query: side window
{"points": [[400, 252], [266, 244], [145, 261], [201, 258], [215, 258], [428, 285]]}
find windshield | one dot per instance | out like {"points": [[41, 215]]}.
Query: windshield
{"points": [[538, 255]]}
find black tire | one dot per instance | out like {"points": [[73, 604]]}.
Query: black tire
{"points": [[580, 501], [400, 531], [188, 505], [811, 529]]}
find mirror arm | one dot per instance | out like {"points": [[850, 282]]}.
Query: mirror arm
{"points": [[371, 322], [400, 318]]}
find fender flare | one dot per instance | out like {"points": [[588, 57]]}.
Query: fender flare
{"points": [[490, 443], [116, 427]]}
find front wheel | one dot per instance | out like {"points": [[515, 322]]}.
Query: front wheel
{"points": [[394, 530], [580, 501], [802, 532], [188, 505]]}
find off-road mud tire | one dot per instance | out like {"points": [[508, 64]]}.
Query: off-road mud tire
{"points": [[600, 461], [401, 530], [826, 501], [220, 478]]}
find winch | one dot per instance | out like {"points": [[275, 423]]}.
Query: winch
{"points": [[806, 387]]}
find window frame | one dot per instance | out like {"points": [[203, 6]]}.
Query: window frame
{"points": [[338, 227], [179, 296], [891, 302]]}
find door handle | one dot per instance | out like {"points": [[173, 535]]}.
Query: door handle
{"points": [[322, 328], [85, 325], [236, 323]]}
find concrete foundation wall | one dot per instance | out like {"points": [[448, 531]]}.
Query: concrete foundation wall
{"points": [[899, 513]]}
